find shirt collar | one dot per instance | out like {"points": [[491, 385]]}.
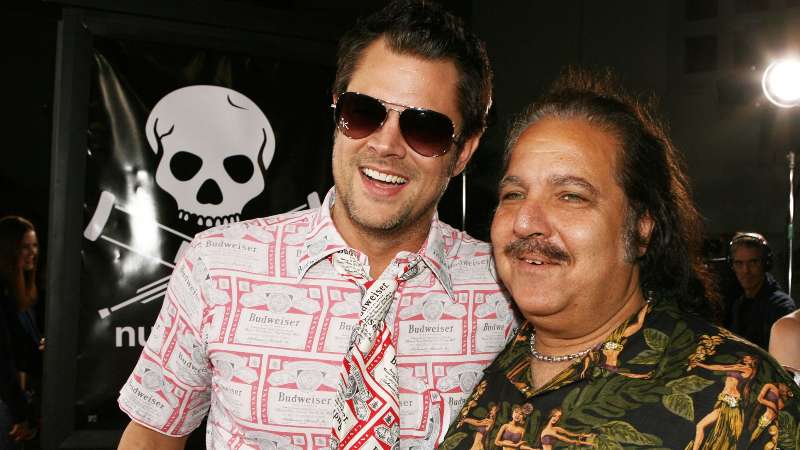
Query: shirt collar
{"points": [[323, 240], [434, 254], [639, 349]]}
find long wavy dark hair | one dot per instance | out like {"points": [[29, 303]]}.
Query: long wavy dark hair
{"points": [[652, 176], [21, 284]]}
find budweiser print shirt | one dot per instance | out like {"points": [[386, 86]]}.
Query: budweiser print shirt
{"points": [[256, 321]]}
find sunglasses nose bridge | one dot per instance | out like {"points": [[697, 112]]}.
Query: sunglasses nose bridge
{"points": [[392, 107], [387, 137], [389, 108]]}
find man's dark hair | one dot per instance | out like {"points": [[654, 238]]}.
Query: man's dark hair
{"points": [[651, 175], [750, 243], [751, 239], [424, 29]]}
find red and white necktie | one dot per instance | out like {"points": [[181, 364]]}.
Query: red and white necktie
{"points": [[366, 411]]}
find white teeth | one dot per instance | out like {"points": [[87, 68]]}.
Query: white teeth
{"points": [[534, 261], [386, 178]]}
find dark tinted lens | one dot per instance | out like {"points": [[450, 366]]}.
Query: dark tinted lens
{"points": [[429, 133], [357, 116]]}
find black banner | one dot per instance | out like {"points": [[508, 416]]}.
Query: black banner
{"points": [[181, 139]]}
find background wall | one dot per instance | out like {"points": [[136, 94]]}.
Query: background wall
{"points": [[702, 59], [704, 64], [27, 58]]}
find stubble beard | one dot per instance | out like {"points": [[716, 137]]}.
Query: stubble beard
{"points": [[395, 224], [402, 220], [361, 217]]}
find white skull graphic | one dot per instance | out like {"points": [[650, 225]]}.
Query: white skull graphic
{"points": [[210, 140]]}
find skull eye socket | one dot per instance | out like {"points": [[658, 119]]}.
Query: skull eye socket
{"points": [[239, 168], [185, 165]]}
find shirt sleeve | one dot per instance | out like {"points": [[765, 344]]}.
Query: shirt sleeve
{"points": [[170, 387], [787, 306], [768, 430]]}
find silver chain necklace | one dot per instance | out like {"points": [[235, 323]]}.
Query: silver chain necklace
{"points": [[554, 359], [569, 357]]}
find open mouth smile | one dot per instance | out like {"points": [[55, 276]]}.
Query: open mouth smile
{"points": [[375, 175]]}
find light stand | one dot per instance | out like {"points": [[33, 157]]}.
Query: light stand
{"points": [[781, 85]]}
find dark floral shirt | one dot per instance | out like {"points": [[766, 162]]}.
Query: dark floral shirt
{"points": [[663, 379]]}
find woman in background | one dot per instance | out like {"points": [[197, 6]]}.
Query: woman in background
{"points": [[20, 339]]}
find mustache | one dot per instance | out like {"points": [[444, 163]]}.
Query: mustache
{"points": [[525, 246]]}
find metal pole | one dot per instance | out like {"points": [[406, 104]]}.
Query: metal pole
{"points": [[464, 201], [790, 228]]}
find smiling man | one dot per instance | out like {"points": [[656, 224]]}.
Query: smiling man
{"points": [[596, 238], [364, 323]]}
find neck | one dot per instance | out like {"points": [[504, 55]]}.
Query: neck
{"points": [[380, 246], [555, 341]]}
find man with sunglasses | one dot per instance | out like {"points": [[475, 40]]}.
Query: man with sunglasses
{"points": [[364, 323]]}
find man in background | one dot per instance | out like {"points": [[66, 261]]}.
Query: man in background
{"points": [[762, 301]]}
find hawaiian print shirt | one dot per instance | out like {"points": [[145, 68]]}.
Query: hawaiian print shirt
{"points": [[663, 379]]}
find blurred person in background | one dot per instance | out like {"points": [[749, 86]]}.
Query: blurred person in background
{"points": [[762, 301], [21, 342]]}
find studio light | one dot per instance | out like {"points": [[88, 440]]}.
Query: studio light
{"points": [[781, 82], [781, 85]]}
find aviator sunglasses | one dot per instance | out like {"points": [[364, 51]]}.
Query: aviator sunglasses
{"points": [[427, 132]]}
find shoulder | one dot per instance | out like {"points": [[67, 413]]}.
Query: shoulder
{"points": [[668, 317], [784, 341], [787, 327], [270, 223], [261, 230], [468, 260], [694, 332], [515, 353], [460, 243], [717, 345], [780, 298]]}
